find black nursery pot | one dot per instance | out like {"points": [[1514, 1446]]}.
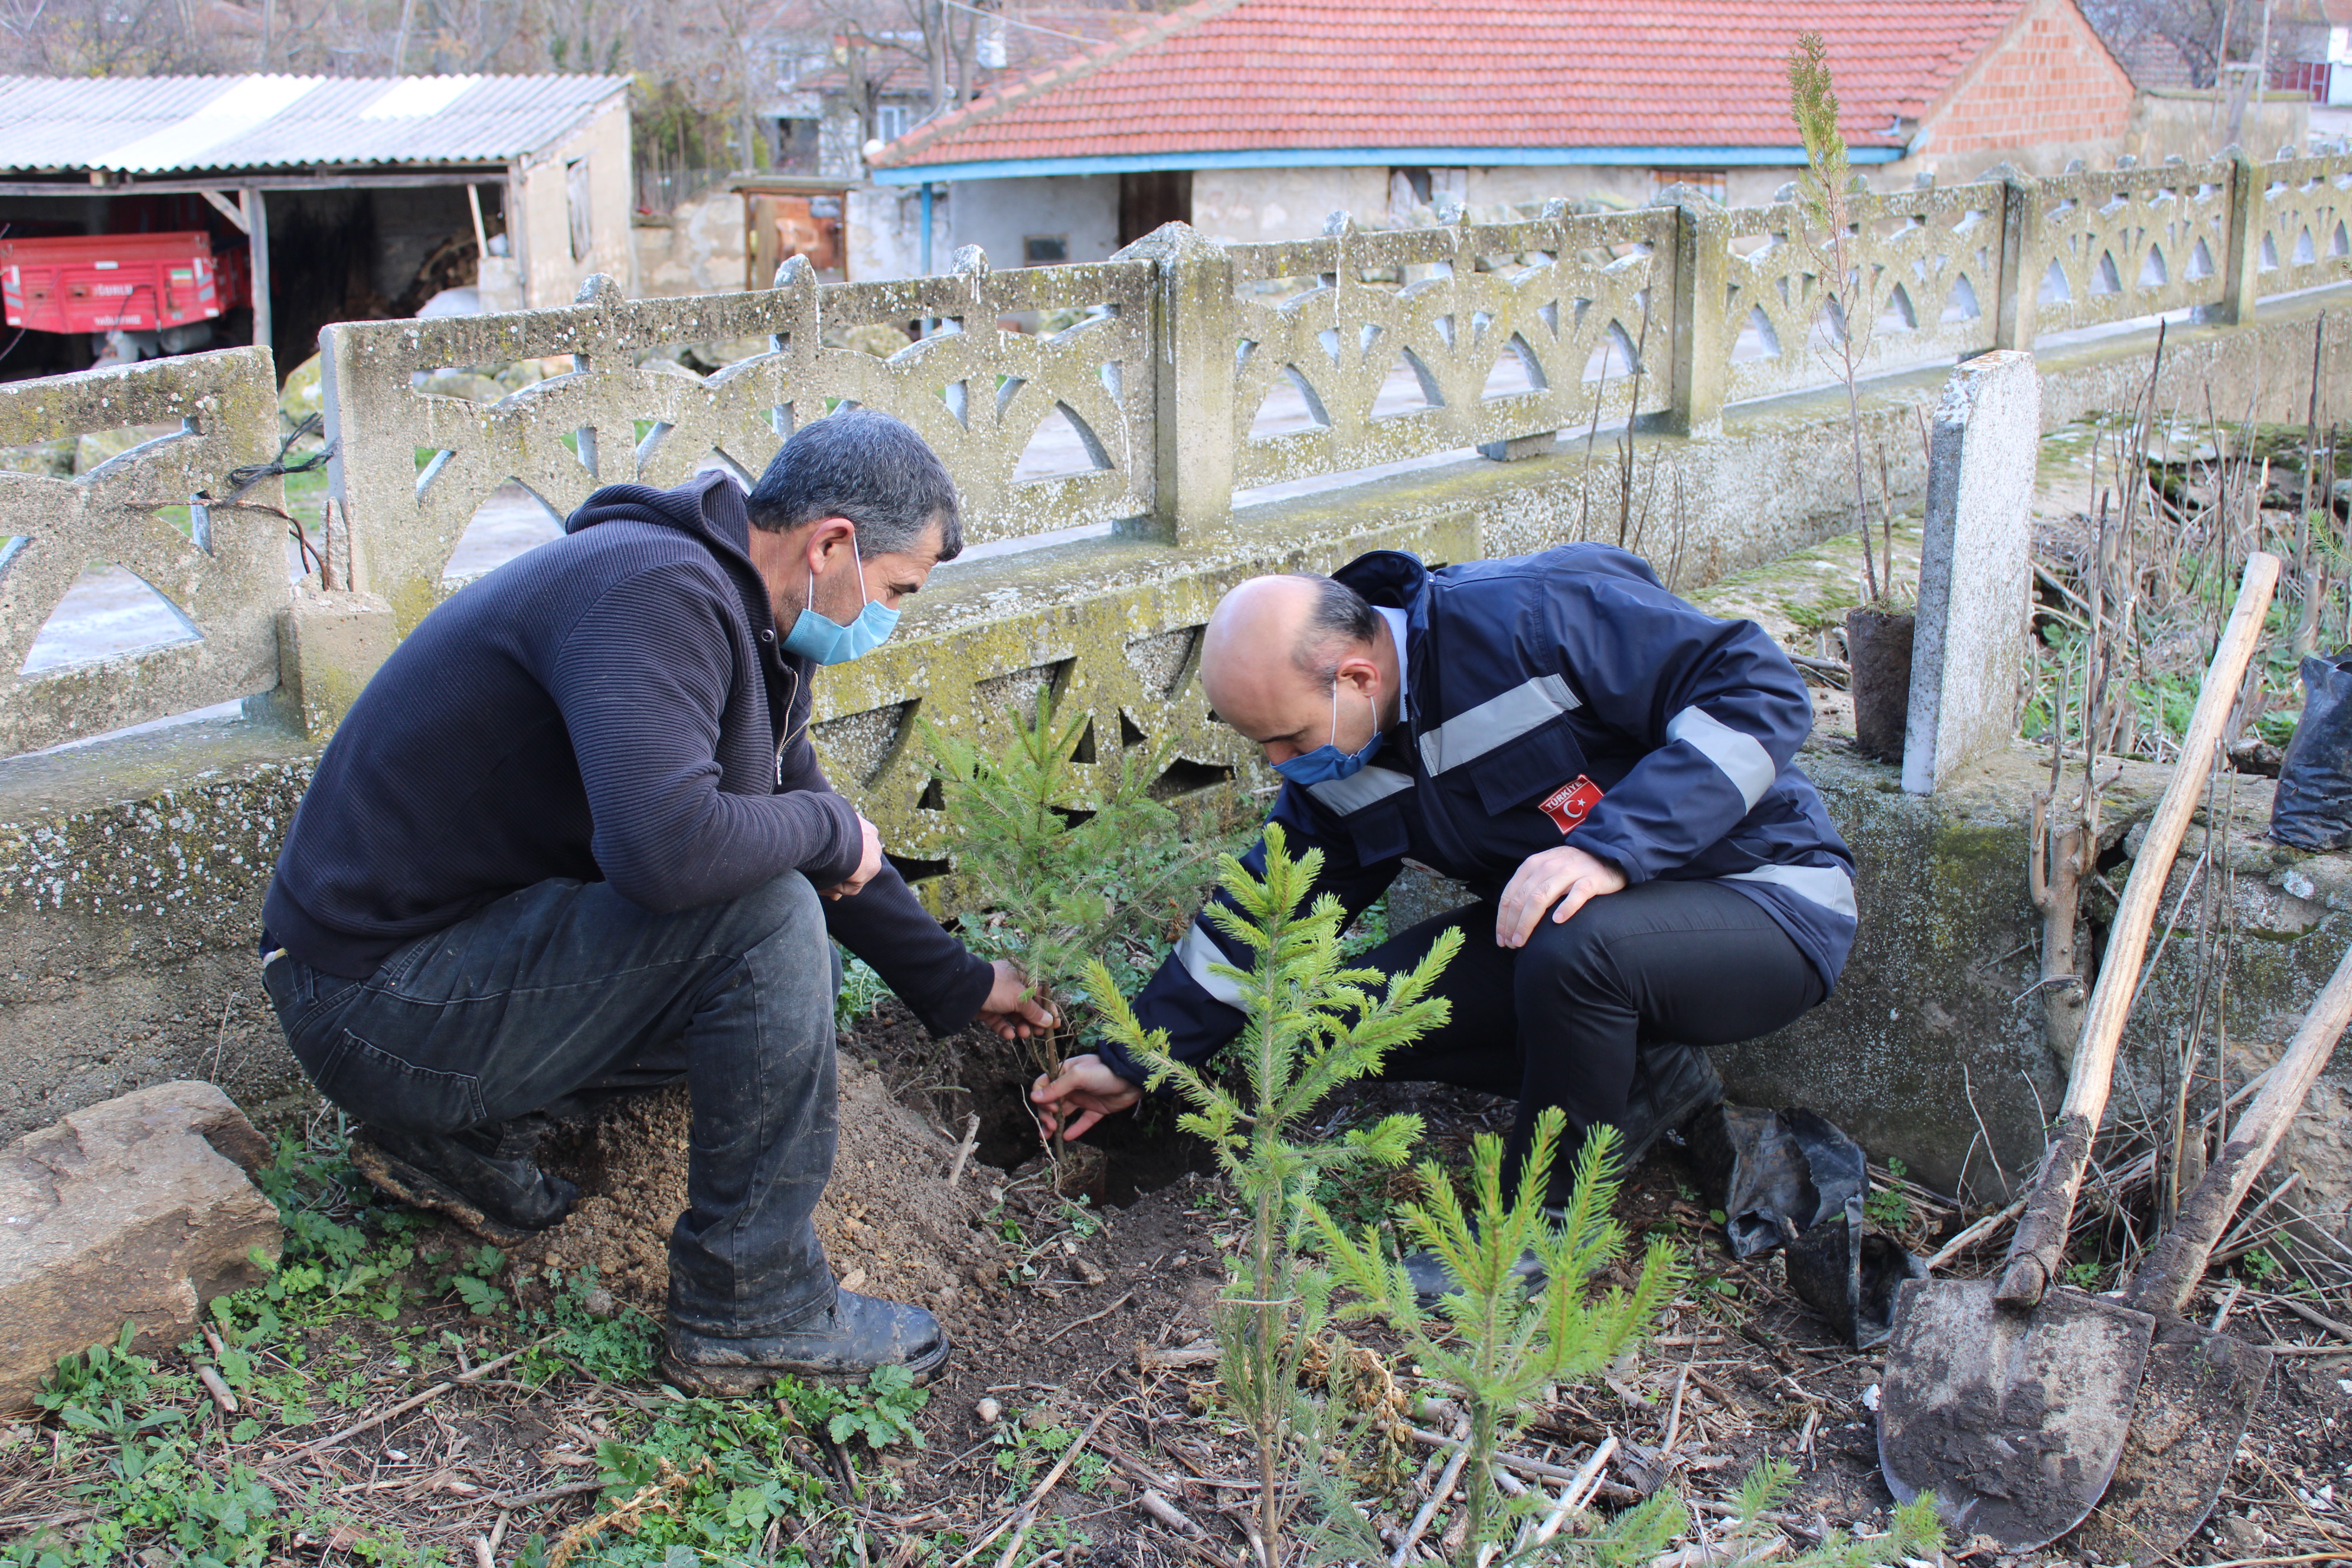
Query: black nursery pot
{"points": [[1878, 655]]}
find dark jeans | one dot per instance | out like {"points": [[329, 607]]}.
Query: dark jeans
{"points": [[1559, 1021], [566, 990]]}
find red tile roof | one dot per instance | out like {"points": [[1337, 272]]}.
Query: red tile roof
{"points": [[1234, 75]]}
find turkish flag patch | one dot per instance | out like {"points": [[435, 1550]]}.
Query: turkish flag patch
{"points": [[1571, 804]]}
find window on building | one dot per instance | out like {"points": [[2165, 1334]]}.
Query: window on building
{"points": [[892, 121], [1715, 182], [1044, 250], [575, 199], [1435, 189]]}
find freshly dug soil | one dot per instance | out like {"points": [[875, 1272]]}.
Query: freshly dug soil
{"points": [[890, 1224]]}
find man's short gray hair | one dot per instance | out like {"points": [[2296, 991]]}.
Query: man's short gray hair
{"points": [[868, 467], [1340, 622]]}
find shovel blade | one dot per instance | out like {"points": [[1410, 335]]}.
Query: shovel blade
{"points": [[2013, 1419], [2196, 1397]]}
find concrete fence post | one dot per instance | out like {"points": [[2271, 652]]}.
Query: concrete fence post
{"points": [[2242, 274], [2019, 289], [329, 645], [1699, 345], [1192, 344], [1967, 658]]}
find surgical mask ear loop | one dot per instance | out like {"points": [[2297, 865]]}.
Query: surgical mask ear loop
{"points": [[863, 598]]}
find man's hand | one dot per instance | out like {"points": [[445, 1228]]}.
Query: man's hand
{"points": [[1086, 1091], [1565, 876], [1010, 1010], [869, 863]]}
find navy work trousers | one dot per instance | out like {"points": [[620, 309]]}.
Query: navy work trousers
{"points": [[1560, 1021]]}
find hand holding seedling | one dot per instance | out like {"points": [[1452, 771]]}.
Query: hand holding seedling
{"points": [[1086, 1087], [1565, 876], [1011, 1009], [869, 863]]}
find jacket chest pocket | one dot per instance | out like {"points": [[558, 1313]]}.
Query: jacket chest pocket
{"points": [[1531, 766]]}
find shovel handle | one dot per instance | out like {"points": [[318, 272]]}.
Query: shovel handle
{"points": [[2177, 1261], [2050, 1208]]}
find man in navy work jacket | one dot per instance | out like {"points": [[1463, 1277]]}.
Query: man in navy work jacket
{"points": [[1608, 768], [573, 840]]}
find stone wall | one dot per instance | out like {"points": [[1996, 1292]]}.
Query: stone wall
{"points": [[130, 876]]}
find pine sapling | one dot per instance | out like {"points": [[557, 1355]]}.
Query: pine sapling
{"points": [[1066, 870], [1313, 1023], [1491, 1339]]}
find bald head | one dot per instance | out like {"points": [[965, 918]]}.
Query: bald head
{"points": [[1282, 653]]}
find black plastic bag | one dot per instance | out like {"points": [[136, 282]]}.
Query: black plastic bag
{"points": [[1849, 1275], [1774, 1174], [2313, 809]]}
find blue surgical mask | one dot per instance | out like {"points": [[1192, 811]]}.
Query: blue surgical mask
{"points": [[1327, 760], [824, 640]]}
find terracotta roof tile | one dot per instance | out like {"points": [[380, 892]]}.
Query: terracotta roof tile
{"points": [[1238, 75]]}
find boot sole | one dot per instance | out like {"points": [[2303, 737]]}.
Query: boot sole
{"points": [[753, 1382], [419, 1189]]}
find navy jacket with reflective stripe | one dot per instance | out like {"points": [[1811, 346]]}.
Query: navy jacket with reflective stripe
{"points": [[1523, 676]]}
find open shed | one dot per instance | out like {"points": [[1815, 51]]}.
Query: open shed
{"points": [[353, 198]]}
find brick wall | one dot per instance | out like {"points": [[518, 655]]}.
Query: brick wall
{"points": [[2050, 80]]}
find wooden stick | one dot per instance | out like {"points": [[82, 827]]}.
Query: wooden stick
{"points": [[963, 1152], [1437, 1495], [1974, 1234], [2316, 1320], [218, 1389], [1674, 1414], [313, 1451], [2178, 1259], [1092, 1317], [2050, 1210], [1539, 1469], [1026, 1514], [1575, 1495]]}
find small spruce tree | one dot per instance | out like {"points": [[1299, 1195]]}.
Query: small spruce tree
{"points": [[1068, 872], [1313, 1023], [1491, 1340]]}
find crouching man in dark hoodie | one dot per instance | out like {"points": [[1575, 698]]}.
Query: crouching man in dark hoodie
{"points": [[572, 841]]}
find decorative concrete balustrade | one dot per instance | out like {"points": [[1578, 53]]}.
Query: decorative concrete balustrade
{"points": [[164, 510], [1182, 382], [1176, 375]]}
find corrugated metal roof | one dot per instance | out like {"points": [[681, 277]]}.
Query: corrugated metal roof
{"points": [[152, 125]]}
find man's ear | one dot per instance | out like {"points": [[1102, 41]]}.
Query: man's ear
{"points": [[827, 540]]}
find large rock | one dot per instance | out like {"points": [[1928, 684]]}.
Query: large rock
{"points": [[137, 1208]]}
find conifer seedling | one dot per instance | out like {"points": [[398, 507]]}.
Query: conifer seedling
{"points": [[1313, 1023], [1064, 869]]}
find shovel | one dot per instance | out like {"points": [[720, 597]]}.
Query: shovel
{"points": [[2010, 1400], [2200, 1385]]}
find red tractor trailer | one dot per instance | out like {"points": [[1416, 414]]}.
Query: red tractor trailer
{"points": [[136, 294]]}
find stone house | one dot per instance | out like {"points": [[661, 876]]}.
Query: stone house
{"points": [[1254, 119]]}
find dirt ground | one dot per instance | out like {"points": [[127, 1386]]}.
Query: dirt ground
{"points": [[1063, 1311], [1080, 1332]]}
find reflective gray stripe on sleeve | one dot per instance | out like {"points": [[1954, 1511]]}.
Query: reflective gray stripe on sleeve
{"points": [[1366, 786], [1741, 757], [1466, 737], [1824, 885], [1196, 953]]}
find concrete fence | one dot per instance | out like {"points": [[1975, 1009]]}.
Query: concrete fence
{"points": [[1218, 411]]}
